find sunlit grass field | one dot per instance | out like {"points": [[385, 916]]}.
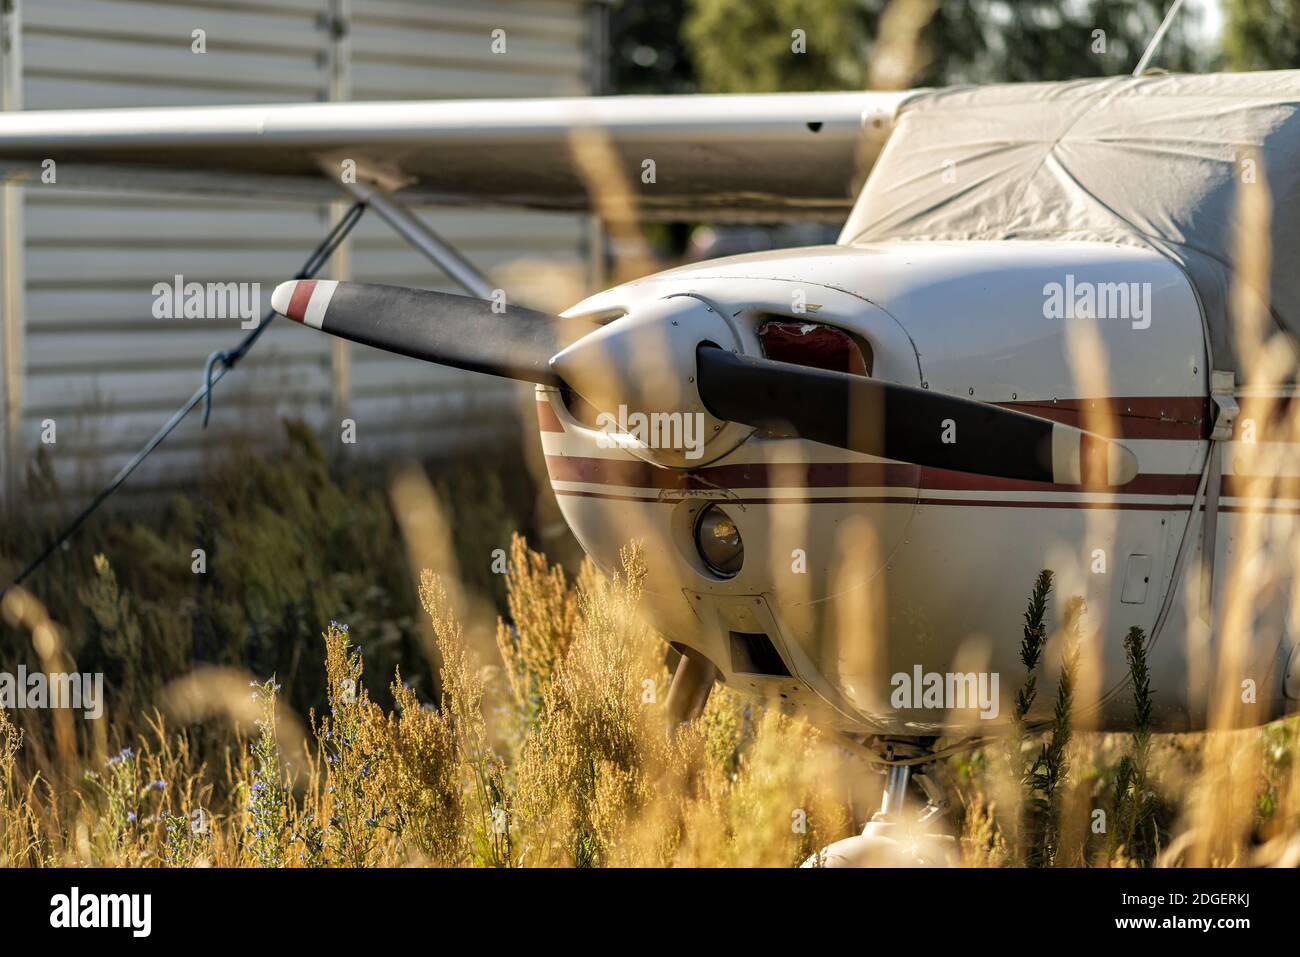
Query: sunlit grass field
{"points": [[332, 691]]}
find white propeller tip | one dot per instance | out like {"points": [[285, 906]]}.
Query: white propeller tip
{"points": [[282, 296], [304, 300], [1079, 458], [1121, 465]]}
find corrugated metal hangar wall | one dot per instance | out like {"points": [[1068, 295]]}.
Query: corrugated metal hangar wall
{"points": [[82, 346]]}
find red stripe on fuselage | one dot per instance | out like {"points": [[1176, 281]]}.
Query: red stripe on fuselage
{"points": [[807, 475], [631, 475], [1113, 505], [1136, 417], [547, 420], [1126, 417], [1171, 418]]}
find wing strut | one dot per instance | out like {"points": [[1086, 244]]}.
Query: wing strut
{"points": [[411, 228]]}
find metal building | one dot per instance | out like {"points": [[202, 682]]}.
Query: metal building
{"points": [[81, 348]]}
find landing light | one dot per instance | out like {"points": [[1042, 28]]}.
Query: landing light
{"points": [[718, 541]]}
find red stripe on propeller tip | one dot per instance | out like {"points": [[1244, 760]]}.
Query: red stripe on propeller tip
{"points": [[301, 297]]}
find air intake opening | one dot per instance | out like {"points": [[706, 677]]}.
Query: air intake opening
{"points": [[816, 345], [752, 653]]}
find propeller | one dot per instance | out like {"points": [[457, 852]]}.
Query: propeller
{"points": [[457, 331], [904, 423], [848, 411]]}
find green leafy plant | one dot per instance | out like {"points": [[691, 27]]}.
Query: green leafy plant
{"points": [[1047, 773]]}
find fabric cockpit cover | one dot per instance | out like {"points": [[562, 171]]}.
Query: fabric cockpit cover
{"points": [[1154, 161]]}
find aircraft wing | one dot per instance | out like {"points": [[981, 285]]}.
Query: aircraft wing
{"points": [[757, 156]]}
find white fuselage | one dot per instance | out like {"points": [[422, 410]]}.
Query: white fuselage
{"points": [[859, 570]]}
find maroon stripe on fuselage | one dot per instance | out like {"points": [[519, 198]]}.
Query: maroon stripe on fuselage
{"points": [[547, 420], [1150, 483], [1126, 417], [1114, 505], [1178, 418], [634, 473], [629, 473], [1261, 486]]}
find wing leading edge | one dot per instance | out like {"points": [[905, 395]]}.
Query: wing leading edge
{"points": [[751, 156]]}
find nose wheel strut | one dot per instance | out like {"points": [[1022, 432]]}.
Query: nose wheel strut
{"points": [[898, 775], [898, 835]]}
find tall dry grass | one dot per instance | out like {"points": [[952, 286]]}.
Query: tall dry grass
{"points": [[569, 762], [557, 752]]}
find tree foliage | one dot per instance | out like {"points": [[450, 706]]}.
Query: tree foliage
{"points": [[778, 45], [1261, 34], [738, 46]]}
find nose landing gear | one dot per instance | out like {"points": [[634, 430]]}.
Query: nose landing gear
{"points": [[897, 835]]}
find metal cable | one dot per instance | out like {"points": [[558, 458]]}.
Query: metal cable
{"points": [[218, 364]]}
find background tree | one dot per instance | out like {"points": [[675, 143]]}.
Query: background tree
{"points": [[1261, 34], [646, 50], [765, 46], [746, 45], [985, 41]]}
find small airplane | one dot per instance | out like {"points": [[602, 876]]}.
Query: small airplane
{"points": [[1028, 350]]}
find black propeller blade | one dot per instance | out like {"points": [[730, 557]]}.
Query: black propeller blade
{"points": [[904, 423], [451, 330]]}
